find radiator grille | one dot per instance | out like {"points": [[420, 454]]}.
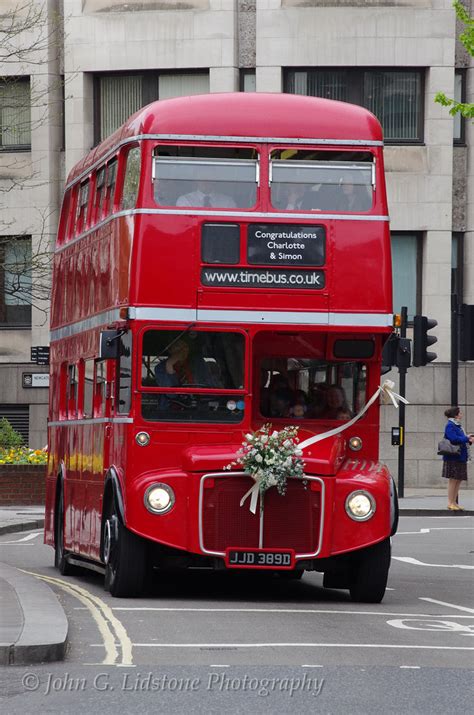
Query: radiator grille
{"points": [[289, 522]]}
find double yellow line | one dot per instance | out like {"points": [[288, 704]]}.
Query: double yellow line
{"points": [[110, 628]]}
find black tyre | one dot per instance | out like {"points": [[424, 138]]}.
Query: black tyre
{"points": [[370, 573], [60, 554], [125, 558], [290, 575]]}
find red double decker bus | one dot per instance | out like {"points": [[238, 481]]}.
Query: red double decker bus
{"points": [[222, 262]]}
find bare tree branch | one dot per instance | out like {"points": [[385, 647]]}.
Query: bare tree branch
{"points": [[25, 34], [31, 36]]}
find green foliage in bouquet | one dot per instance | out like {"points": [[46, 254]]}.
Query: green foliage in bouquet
{"points": [[271, 457]]}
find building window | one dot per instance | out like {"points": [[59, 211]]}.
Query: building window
{"points": [[15, 281], [15, 114], [117, 96], [406, 272], [459, 96], [248, 80], [394, 96]]}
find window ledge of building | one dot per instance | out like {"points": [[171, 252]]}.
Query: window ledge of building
{"points": [[15, 327]]}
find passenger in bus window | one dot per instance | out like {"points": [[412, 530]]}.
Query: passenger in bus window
{"points": [[165, 192], [353, 197], [317, 400], [337, 406], [206, 194], [294, 197], [326, 198], [184, 368], [280, 402], [299, 407], [276, 400]]}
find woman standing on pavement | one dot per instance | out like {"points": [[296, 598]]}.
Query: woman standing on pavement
{"points": [[455, 465]]}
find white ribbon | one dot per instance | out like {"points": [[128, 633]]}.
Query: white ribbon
{"points": [[253, 493], [386, 390]]}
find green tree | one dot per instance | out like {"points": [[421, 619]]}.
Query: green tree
{"points": [[8, 436], [466, 109]]}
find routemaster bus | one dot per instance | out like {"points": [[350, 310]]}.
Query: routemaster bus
{"points": [[222, 263]]}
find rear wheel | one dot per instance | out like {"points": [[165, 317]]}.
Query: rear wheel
{"points": [[370, 573], [60, 554], [124, 556]]}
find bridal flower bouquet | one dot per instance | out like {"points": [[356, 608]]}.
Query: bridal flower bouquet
{"points": [[270, 457]]}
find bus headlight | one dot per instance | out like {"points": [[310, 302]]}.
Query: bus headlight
{"points": [[159, 498], [355, 443], [360, 505], [142, 439]]}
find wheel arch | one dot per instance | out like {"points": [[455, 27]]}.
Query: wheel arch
{"points": [[394, 511], [112, 493]]}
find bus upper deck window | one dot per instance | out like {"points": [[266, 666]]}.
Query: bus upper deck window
{"points": [[111, 176], [65, 220], [100, 389], [71, 392], [99, 195], [322, 181], [82, 205], [218, 177], [131, 180], [88, 388]]}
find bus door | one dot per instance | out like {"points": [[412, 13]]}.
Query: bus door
{"points": [[121, 402]]}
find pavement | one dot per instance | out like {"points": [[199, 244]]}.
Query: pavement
{"points": [[33, 625]]}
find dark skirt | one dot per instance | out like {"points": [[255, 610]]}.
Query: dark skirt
{"points": [[455, 470]]}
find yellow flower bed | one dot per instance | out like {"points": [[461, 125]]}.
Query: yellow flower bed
{"points": [[23, 455]]}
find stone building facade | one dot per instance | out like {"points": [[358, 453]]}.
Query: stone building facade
{"points": [[103, 58]]}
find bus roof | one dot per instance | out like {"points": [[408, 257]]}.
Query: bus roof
{"points": [[244, 114]]}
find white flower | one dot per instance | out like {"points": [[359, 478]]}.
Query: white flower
{"points": [[258, 458]]}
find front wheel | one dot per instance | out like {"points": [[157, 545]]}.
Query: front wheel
{"points": [[370, 573], [125, 558]]}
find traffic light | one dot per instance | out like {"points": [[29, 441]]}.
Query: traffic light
{"points": [[466, 332], [422, 341], [396, 352]]}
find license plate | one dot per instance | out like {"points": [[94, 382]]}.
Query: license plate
{"points": [[259, 559]]}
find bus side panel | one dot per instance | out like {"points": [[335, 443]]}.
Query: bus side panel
{"points": [[170, 253], [360, 278]]}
